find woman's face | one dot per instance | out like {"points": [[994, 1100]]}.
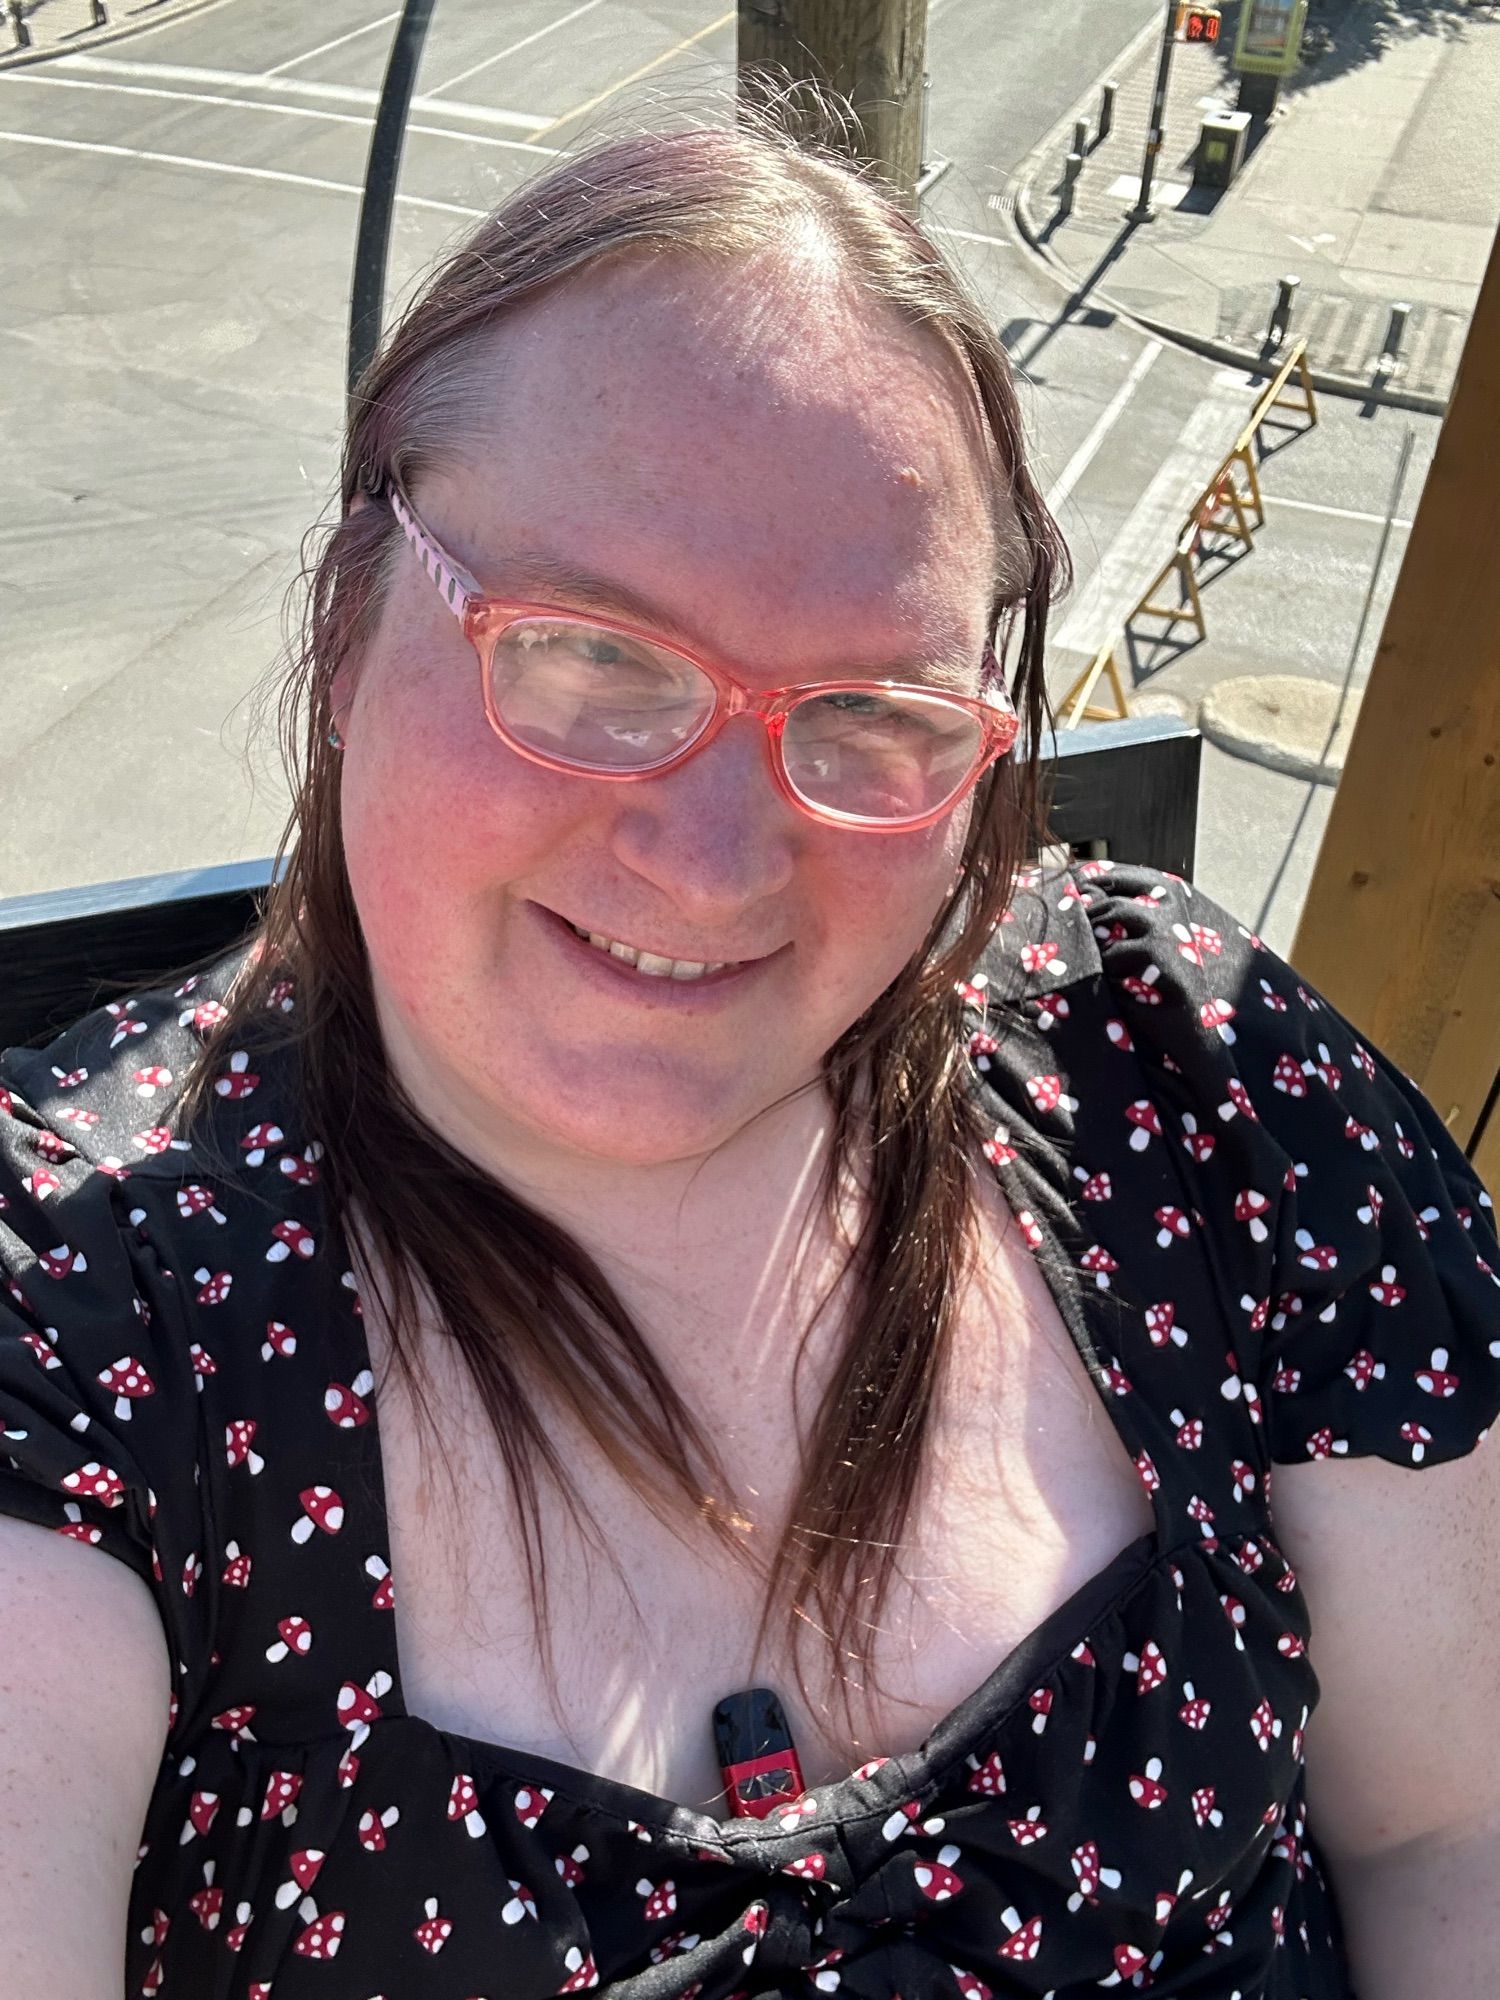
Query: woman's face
{"points": [[796, 480]]}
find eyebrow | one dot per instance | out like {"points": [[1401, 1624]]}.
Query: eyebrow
{"points": [[531, 568]]}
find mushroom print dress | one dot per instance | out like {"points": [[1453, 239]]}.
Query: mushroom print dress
{"points": [[1266, 1247]]}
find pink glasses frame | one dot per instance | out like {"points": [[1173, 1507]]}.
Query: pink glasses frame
{"points": [[485, 618]]}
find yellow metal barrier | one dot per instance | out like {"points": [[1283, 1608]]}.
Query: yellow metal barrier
{"points": [[1227, 506]]}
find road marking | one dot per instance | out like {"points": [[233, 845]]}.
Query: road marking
{"points": [[223, 167], [969, 235], [1146, 537], [282, 110], [644, 70], [280, 69], [1079, 463], [1321, 507], [295, 86], [525, 42]]}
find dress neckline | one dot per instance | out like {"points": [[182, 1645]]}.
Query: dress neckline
{"points": [[882, 1784]]}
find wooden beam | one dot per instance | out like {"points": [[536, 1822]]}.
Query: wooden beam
{"points": [[1401, 926], [871, 51]]}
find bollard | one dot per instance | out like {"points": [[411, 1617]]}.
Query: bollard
{"points": [[1071, 172], [1281, 317], [1394, 333], [18, 24], [922, 142], [99, 13], [1107, 110], [1081, 137]]}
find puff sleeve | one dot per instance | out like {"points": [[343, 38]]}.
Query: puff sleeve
{"points": [[1356, 1246], [99, 1417]]}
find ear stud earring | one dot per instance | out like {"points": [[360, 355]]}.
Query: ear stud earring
{"points": [[335, 741]]}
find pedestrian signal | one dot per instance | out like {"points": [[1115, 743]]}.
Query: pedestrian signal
{"points": [[1201, 24]]}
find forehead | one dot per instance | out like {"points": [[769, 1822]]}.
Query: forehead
{"points": [[750, 442]]}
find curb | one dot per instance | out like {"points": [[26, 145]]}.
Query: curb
{"points": [[1251, 359], [1231, 716], [81, 44]]}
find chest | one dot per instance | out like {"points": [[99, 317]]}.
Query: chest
{"points": [[1027, 1492]]}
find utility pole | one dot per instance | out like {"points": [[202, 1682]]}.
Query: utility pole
{"points": [[870, 51], [1142, 210]]}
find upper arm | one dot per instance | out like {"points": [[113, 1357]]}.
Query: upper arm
{"points": [[1401, 1570], [84, 1689]]}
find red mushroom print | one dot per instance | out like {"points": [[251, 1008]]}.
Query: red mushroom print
{"points": [[1290, 1646], [1323, 1444], [1026, 1832], [63, 1261], [989, 1777], [203, 1362], [237, 1569], [128, 1382], [321, 1508], [1436, 1379], [346, 1407], [1146, 1470], [234, 1938], [520, 1903], [998, 1150], [323, 1935], [1129, 1961], [1039, 1701], [1146, 1787], [1265, 1725], [434, 1931], [800, 1809], [1150, 1669], [1091, 1876], [348, 1769], [207, 1903], [302, 1168], [463, 1803], [1113, 1377], [1189, 1435], [359, 1706], [1418, 1437], [213, 1286], [1287, 1076], [304, 1865], [1198, 1145], [531, 1803], [1243, 1476], [937, 1879], [42, 1183], [280, 1800], [202, 1809], [1025, 1939], [239, 1080], [1216, 1015], [195, 1199], [279, 1340], [150, 1080], [1166, 1899], [1174, 1226], [236, 1721], [1096, 1187], [95, 1482], [1239, 1104], [1047, 1094], [660, 1899], [971, 990], [970, 1987], [203, 1018], [806, 1867], [1250, 1556], [75, 1527], [290, 1239], [1315, 1256], [238, 1438], [1194, 1711], [1367, 1140], [385, 1596], [1146, 1120], [296, 1637], [570, 1866], [1163, 1325], [373, 1827], [582, 1973], [1250, 1206], [258, 1141], [1205, 1812]]}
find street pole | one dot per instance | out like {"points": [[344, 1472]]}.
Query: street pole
{"points": [[1142, 210]]}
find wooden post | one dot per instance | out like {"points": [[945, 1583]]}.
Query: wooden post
{"points": [[871, 51], [1401, 927]]}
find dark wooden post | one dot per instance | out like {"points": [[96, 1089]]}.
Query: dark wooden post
{"points": [[1401, 926], [871, 51]]}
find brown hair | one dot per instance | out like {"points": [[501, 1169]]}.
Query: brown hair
{"points": [[517, 1296]]}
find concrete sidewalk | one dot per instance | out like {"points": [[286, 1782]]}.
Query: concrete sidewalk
{"points": [[61, 27], [1376, 181]]}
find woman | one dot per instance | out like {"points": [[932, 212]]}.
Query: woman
{"points": [[669, 1209]]}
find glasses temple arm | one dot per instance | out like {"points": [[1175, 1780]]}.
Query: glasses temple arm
{"points": [[457, 591]]}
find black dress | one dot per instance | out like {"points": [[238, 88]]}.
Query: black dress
{"points": [[1266, 1247]]}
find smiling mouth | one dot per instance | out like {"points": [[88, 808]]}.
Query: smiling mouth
{"points": [[652, 964]]}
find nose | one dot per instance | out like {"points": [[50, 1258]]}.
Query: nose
{"points": [[714, 836]]}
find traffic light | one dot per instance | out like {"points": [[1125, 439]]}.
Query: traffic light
{"points": [[1201, 24]]}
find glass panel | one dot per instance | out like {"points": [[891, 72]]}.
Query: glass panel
{"points": [[881, 755], [591, 694]]}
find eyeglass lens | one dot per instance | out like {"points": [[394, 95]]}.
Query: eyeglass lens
{"points": [[591, 696]]}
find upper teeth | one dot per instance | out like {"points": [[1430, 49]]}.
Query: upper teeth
{"points": [[650, 961]]}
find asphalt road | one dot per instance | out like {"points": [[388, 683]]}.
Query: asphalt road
{"points": [[178, 227]]}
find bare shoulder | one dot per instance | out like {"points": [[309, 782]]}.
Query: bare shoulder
{"points": [[84, 1690], [1401, 1569]]}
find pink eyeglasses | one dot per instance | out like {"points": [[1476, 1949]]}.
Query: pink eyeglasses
{"points": [[605, 700]]}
